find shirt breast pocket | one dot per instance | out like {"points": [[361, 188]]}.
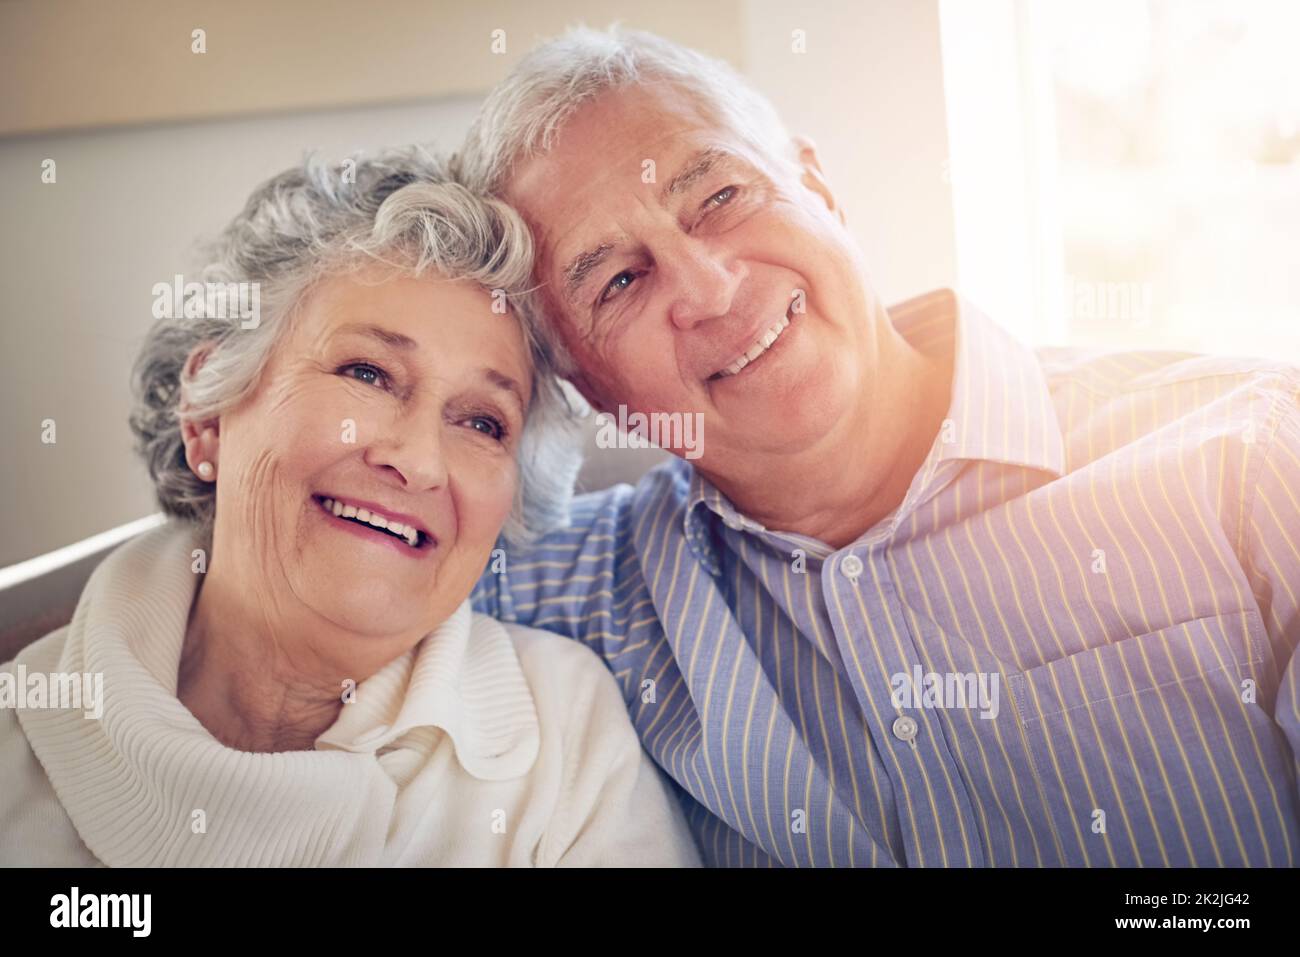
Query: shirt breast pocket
{"points": [[1147, 750]]}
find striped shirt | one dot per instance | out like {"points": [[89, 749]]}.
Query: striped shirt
{"points": [[1109, 541]]}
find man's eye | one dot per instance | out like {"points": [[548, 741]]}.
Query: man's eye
{"points": [[489, 426], [617, 285], [720, 198], [365, 372]]}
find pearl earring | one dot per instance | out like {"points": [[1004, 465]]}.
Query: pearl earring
{"points": [[205, 471]]}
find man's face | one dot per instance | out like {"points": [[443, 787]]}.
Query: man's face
{"points": [[663, 283]]}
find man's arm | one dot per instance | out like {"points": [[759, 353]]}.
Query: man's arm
{"points": [[571, 580], [1273, 554]]}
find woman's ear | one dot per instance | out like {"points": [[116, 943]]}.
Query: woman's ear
{"points": [[806, 154], [202, 437]]}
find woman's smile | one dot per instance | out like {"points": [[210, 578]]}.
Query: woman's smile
{"points": [[375, 526]]}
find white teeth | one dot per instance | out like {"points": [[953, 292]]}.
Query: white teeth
{"points": [[763, 343], [405, 531], [397, 528], [374, 519]]}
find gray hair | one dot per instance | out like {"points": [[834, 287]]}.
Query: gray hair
{"points": [[402, 209], [523, 115]]}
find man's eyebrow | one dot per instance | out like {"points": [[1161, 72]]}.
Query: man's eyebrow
{"points": [[386, 336], [581, 266], [696, 168]]}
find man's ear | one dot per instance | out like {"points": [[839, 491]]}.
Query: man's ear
{"points": [[806, 154], [202, 437]]}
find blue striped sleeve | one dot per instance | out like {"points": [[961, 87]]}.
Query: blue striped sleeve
{"points": [[567, 581], [1273, 557]]}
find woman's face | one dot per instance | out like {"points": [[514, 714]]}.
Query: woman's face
{"points": [[404, 397]]}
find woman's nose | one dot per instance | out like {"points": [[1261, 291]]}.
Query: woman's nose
{"points": [[412, 453]]}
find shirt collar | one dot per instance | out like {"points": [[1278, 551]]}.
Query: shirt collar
{"points": [[1001, 409]]}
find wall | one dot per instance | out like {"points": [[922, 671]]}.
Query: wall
{"points": [[77, 63], [869, 92], [78, 258]]}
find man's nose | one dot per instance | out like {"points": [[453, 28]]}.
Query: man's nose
{"points": [[410, 452], [704, 281]]}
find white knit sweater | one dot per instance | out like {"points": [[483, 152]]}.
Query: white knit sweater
{"points": [[484, 745]]}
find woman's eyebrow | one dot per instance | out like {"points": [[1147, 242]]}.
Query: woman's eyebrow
{"points": [[386, 336], [497, 379], [503, 382]]}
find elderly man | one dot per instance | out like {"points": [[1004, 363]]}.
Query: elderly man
{"points": [[922, 596]]}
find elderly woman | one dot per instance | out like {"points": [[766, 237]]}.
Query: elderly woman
{"points": [[292, 674]]}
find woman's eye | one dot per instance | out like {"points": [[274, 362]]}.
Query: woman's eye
{"points": [[489, 426], [365, 372], [617, 285]]}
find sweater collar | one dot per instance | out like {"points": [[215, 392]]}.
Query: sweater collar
{"points": [[464, 679], [148, 785]]}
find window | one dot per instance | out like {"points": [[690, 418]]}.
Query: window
{"points": [[1151, 175]]}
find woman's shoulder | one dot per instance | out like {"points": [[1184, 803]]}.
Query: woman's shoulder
{"points": [[41, 655], [27, 790], [34, 828], [551, 661], [570, 686], [617, 809], [17, 760]]}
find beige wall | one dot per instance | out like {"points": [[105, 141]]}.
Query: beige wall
{"points": [[869, 92], [79, 257], [76, 63]]}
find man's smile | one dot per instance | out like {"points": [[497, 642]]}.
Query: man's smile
{"points": [[758, 347]]}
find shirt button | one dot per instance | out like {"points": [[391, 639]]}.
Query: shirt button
{"points": [[851, 566], [732, 522], [905, 728]]}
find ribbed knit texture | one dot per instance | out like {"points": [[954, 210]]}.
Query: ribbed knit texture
{"points": [[440, 759]]}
